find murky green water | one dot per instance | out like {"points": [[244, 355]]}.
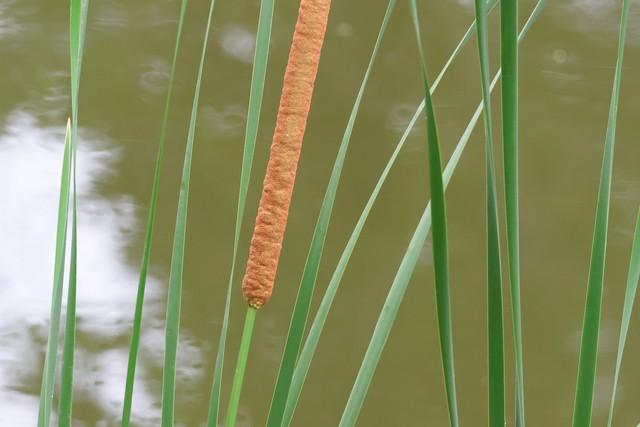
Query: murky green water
{"points": [[566, 68]]}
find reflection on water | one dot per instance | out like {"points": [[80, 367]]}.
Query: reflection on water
{"points": [[238, 42], [8, 22], [31, 158]]}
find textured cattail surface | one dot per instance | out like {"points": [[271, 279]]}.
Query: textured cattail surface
{"points": [[291, 121]]}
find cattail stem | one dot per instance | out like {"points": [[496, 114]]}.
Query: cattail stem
{"points": [[291, 121], [238, 377], [273, 210]]}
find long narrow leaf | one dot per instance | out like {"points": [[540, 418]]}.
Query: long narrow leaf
{"points": [[174, 296], [312, 264], [591, 326], [253, 119], [398, 288], [66, 380], [77, 30], [407, 265], [629, 298], [148, 237], [440, 244], [509, 65], [494, 281], [49, 370]]}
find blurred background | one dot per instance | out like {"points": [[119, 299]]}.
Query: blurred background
{"points": [[566, 71]]}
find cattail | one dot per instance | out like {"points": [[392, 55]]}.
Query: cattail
{"points": [[291, 121]]}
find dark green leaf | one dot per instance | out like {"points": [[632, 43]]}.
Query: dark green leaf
{"points": [[439, 234], [494, 281]]}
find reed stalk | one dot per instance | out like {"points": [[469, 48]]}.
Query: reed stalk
{"points": [[238, 377]]}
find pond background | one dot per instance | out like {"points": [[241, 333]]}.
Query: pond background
{"points": [[566, 64]]}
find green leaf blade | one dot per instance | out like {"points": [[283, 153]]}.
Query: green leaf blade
{"points": [[48, 375], [591, 325], [66, 377], [174, 297], [629, 298], [509, 66], [148, 238], [439, 234], [77, 30], [495, 327]]}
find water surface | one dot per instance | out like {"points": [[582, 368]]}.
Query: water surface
{"points": [[566, 65]]}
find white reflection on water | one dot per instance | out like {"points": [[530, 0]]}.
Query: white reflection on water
{"points": [[8, 22], [31, 158], [238, 42]]}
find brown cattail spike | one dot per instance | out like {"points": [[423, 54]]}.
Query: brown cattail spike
{"points": [[291, 121]]}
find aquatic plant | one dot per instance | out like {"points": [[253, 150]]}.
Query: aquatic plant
{"points": [[271, 222], [277, 189]]}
